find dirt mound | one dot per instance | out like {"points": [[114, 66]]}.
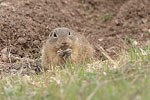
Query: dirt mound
{"points": [[133, 18], [131, 21], [24, 24]]}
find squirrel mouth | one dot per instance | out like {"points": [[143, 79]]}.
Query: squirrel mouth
{"points": [[64, 47]]}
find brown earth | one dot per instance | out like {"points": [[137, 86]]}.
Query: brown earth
{"points": [[24, 24]]}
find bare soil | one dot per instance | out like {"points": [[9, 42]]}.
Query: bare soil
{"points": [[24, 24]]}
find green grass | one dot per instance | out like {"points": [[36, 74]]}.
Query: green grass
{"points": [[106, 17], [133, 29], [98, 81]]}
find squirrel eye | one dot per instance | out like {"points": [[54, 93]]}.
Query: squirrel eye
{"points": [[54, 35], [69, 33]]}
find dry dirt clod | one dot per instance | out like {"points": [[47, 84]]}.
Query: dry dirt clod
{"points": [[4, 58], [4, 51], [36, 42], [22, 40], [7, 59]]}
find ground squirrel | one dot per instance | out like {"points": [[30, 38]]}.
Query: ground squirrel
{"points": [[62, 44]]}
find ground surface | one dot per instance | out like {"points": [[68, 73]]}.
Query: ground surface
{"points": [[109, 25]]}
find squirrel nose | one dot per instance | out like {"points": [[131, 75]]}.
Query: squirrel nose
{"points": [[64, 43]]}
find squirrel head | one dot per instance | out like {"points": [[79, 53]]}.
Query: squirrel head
{"points": [[62, 38]]}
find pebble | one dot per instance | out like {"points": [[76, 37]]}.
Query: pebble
{"points": [[22, 40]]}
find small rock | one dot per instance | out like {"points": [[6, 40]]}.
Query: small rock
{"points": [[148, 31], [36, 42], [105, 73], [4, 58], [7, 59], [22, 40], [144, 29], [4, 51], [135, 42], [27, 3], [100, 39]]}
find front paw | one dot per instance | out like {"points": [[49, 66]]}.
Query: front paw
{"points": [[67, 52], [60, 53], [64, 53]]}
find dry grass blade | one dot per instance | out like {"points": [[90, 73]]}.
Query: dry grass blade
{"points": [[108, 57], [94, 91]]}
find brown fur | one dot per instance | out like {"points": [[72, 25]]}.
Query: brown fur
{"points": [[81, 48]]}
